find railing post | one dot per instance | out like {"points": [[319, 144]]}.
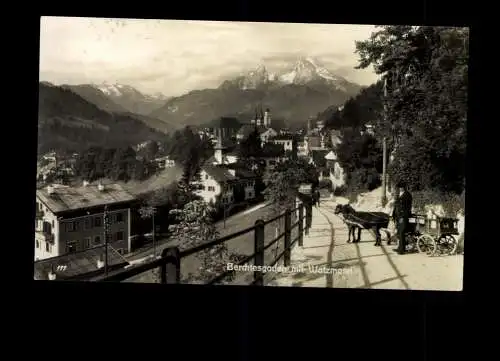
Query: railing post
{"points": [[301, 225], [288, 237], [258, 276], [308, 216], [170, 270]]}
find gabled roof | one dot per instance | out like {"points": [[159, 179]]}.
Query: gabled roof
{"points": [[331, 156], [66, 198], [283, 137], [220, 174], [76, 264]]}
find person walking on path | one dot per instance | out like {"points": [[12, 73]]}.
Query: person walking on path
{"points": [[401, 215], [317, 196]]}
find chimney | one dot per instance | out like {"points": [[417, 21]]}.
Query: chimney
{"points": [[100, 187], [50, 189], [85, 183]]}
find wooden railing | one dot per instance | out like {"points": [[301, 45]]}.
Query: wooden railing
{"points": [[169, 264]]}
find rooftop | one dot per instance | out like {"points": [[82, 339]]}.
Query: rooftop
{"points": [[220, 174], [284, 137], [77, 264], [247, 129], [66, 198]]}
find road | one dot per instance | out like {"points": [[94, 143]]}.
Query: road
{"points": [[361, 265]]}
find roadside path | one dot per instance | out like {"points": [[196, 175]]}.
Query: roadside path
{"points": [[362, 265]]}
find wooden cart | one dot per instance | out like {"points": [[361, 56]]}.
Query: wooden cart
{"points": [[438, 236]]}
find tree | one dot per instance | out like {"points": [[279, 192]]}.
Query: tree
{"points": [[195, 227], [426, 105], [250, 151]]}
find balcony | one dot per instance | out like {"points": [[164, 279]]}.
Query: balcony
{"points": [[39, 214]]}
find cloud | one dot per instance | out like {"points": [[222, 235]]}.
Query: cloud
{"points": [[177, 56]]}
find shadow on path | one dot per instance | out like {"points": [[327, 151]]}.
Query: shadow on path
{"points": [[329, 259]]}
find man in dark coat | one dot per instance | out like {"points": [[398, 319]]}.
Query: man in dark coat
{"points": [[401, 215], [317, 196]]}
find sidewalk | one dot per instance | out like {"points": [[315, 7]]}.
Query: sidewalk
{"points": [[362, 265]]}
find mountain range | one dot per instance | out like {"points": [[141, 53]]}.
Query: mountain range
{"points": [[109, 112], [67, 121], [119, 97], [296, 93]]}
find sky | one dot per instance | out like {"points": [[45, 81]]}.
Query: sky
{"points": [[176, 56]]}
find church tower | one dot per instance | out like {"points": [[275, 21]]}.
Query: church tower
{"points": [[258, 117], [267, 118], [219, 151]]}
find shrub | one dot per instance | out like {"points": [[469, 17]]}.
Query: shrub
{"points": [[364, 179], [452, 203]]}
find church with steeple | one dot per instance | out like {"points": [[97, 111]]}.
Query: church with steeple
{"points": [[262, 118]]}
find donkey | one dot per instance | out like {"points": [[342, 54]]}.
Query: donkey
{"points": [[374, 221]]}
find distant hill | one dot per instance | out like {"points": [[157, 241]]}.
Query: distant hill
{"points": [[110, 103], [294, 95], [361, 109], [66, 121]]}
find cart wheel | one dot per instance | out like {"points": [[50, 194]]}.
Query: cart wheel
{"points": [[448, 243], [426, 244]]}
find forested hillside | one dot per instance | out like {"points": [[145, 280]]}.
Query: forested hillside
{"points": [[67, 122]]}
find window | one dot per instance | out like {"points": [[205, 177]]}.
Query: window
{"points": [[71, 246], [52, 223], [70, 227], [76, 225], [119, 236], [86, 243], [97, 239], [211, 188], [87, 224], [206, 176], [47, 247], [97, 222], [37, 243], [119, 217]]}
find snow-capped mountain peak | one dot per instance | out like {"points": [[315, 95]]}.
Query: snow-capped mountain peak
{"points": [[120, 90], [308, 69]]}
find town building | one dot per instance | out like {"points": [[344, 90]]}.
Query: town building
{"points": [[268, 135], [71, 219], [86, 265], [164, 162], [220, 185], [286, 141], [336, 173], [224, 154]]}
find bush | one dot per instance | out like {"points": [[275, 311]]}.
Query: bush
{"points": [[452, 203], [364, 179]]}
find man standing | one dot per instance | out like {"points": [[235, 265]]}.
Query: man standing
{"points": [[317, 196], [401, 215]]}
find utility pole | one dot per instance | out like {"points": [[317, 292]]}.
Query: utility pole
{"points": [[384, 150], [154, 231], [106, 231]]}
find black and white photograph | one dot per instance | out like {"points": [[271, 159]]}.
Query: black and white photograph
{"points": [[251, 153]]}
